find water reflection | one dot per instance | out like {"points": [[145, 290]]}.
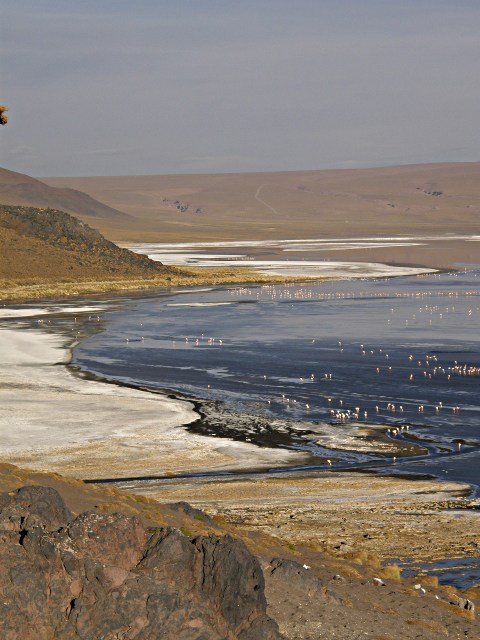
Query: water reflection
{"points": [[321, 366]]}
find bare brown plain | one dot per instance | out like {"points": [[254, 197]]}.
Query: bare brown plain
{"points": [[412, 200]]}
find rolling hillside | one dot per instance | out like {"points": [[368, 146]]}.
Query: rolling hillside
{"points": [[20, 189], [437, 205], [411, 199]]}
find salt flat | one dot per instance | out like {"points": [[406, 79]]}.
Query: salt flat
{"points": [[53, 420], [200, 255]]}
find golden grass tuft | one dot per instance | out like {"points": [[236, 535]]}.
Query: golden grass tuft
{"points": [[472, 593], [430, 625], [427, 580], [38, 288], [391, 572], [141, 499], [449, 590], [367, 559], [344, 568]]}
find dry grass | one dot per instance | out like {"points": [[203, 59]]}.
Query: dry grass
{"points": [[391, 572], [39, 288], [366, 558], [430, 625], [427, 580]]}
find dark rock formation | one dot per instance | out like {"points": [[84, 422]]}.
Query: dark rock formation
{"points": [[32, 505], [72, 240], [191, 512], [106, 576], [180, 206], [302, 582], [62, 230]]}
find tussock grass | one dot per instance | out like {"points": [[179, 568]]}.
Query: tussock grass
{"points": [[391, 572], [40, 288], [366, 558], [429, 625], [427, 580]]}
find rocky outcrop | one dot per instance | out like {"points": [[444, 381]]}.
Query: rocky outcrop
{"points": [[56, 245], [63, 231], [107, 576], [191, 512], [180, 206]]}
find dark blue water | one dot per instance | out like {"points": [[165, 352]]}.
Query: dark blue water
{"points": [[458, 572], [397, 352]]}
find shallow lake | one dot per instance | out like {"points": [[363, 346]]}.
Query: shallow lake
{"points": [[272, 364]]}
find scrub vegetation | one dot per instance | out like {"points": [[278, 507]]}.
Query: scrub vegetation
{"points": [[50, 254]]}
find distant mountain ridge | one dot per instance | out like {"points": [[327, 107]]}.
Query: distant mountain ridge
{"points": [[20, 189]]}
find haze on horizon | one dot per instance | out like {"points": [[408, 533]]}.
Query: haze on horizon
{"points": [[156, 87]]}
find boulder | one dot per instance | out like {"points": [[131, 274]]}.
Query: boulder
{"points": [[106, 576]]}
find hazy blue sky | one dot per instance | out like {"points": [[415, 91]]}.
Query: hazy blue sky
{"points": [[110, 87]]}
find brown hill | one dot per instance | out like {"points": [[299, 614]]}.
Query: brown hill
{"points": [[50, 244], [413, 199], [20, 189]]}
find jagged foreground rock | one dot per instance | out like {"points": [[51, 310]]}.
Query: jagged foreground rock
{"points": [[104, 576]]}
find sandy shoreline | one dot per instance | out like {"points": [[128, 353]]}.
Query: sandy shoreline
{"points": [[52, 420]]}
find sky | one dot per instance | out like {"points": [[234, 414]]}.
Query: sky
{"points": [[109, 87]]}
